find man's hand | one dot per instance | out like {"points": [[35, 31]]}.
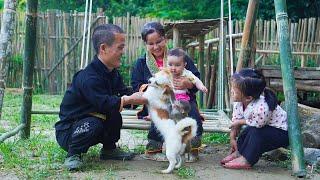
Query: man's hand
{"points": [[134, 99], [182, 83]]}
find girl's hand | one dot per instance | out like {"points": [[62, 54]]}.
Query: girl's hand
{"points": [[237, 124], [234, 145], [182, 83]]}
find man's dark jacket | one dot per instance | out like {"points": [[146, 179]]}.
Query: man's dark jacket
{"points": [[93, 89]]}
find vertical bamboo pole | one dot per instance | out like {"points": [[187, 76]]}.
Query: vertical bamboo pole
{"points": [[303, 58], [176, 37], [201, 65], [207, 71], [246, 43], [66, 18], [127, 60], [192, 52], [221, 65], [289, 89], [28, 65]]}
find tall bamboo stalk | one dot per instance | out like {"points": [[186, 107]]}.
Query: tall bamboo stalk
{"points": [[28, 66], [247, 37], [6, 38], [201, 65], [289, 88]]}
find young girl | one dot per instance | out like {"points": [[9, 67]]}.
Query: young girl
{"points": [[254, 106], [177, 64]]}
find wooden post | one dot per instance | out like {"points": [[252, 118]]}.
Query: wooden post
{"points": [[6, 37], [192, 52], [127, 60], [66, 18], [176, 37], [201, 65], [289, 89], [28, 65], [208, 72], [247, 37]]}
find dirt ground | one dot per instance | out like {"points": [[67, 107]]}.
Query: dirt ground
{"points": [[207, 167]]}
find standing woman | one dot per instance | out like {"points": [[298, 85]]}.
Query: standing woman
{"points": [[153, 34]]}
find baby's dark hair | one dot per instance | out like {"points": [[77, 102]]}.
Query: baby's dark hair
{"points": [[150, 28], [251, 82], [178, 52]]}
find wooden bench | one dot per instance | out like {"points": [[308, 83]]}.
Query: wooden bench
{"points": [[215, 121], [307, 79]]}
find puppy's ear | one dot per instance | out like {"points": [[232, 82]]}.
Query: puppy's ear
{"points": [[167, 90]]}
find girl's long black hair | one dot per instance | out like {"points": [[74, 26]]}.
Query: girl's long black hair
{"points": [[251, 82]]}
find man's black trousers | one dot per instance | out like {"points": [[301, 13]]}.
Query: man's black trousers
{"points": [[89, 131]]}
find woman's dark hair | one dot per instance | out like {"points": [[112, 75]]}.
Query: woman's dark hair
{"points": [[178, 52], [150, 28], [251, 82]]}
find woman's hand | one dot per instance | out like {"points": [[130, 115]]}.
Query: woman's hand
{"points": [[182, 83]]}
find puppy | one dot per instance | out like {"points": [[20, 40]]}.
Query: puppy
{"points": [[176, 135]]}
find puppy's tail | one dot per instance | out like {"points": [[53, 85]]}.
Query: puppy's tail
{"points": [[187, 127]]}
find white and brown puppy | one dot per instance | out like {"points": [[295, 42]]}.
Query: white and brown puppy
{"points": [[176, 135]]}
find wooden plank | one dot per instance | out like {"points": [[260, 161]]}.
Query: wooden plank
{"points": [[305, 74], [301, 85]]}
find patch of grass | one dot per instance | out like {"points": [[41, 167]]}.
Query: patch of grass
{"points": [[215, 138], [139, 149], [186, 172], [13, 102], [33, 158], [139, 133]]}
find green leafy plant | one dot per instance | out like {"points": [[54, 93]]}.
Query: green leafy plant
{"points": [[186, 172], [216, 138]]}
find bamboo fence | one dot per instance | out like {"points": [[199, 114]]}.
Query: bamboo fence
{"points": [[59, 37]]}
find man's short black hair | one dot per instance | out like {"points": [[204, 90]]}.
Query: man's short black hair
{"points": [[104, 34]]}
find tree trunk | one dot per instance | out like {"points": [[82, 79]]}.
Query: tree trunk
{"points": [[6, 36]]}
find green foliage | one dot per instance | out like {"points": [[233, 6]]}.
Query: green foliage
{"points": [[22, 4], [184, 9], [17, 59], [1, 4], [215, 138], [125, 71]]}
